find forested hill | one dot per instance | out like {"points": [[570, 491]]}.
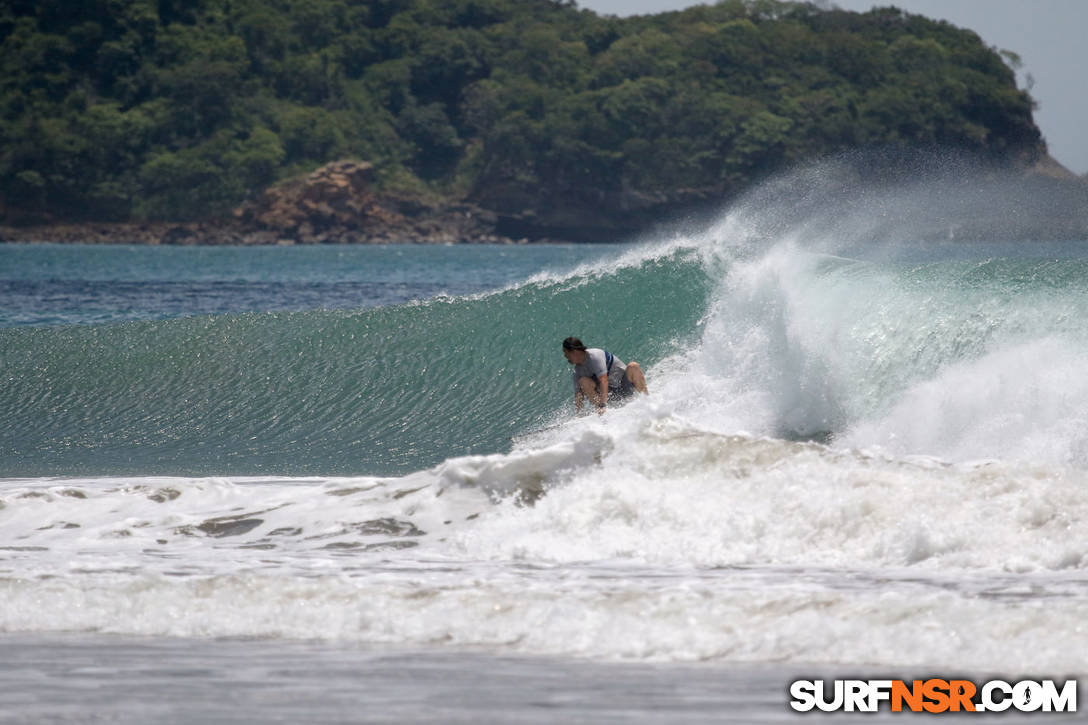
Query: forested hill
{"points": [[536, 110]]}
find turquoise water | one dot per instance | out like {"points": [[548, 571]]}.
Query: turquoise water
{"points": [[359, 390]]}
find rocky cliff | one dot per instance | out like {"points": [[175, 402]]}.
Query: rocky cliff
{"points": [[338, 203], [335, 204]]}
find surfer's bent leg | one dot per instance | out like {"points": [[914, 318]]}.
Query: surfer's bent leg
{"points": [[635, 377], [588, 386]]}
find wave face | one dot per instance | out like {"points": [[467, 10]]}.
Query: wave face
{"points": [[382, 390]]}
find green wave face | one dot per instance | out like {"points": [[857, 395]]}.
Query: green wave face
{"points": [[378, 391]]}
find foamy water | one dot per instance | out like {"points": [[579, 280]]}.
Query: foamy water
{"points": [[648, 539]]}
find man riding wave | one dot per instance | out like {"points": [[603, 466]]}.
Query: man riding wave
{"points": [[601, 376]]}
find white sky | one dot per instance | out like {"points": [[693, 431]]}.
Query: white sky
{"points": [[1046, 34]]}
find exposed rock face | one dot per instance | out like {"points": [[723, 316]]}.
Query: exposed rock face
{"points": [[334, 203]]}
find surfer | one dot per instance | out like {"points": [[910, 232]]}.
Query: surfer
{"points": [[598, 373]]}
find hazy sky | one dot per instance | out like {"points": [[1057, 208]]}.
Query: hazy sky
{"points": [[1046, 34]]}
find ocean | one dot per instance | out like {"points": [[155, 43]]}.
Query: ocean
{"points": [[346, 484]]}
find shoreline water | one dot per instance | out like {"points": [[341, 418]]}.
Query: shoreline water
{"points": [[122, 679]]}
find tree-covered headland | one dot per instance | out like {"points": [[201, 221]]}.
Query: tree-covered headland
{"points": [[537, 110]]}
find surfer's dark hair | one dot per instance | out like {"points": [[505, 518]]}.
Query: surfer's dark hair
{"points": [[573, 343]]}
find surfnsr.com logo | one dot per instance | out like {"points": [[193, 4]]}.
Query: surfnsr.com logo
{"points": [[933, 695]]}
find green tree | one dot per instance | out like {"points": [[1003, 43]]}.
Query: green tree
{"points": [[183, 108]]}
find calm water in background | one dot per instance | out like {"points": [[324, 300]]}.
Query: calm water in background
{"points": [[51, 284]]}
